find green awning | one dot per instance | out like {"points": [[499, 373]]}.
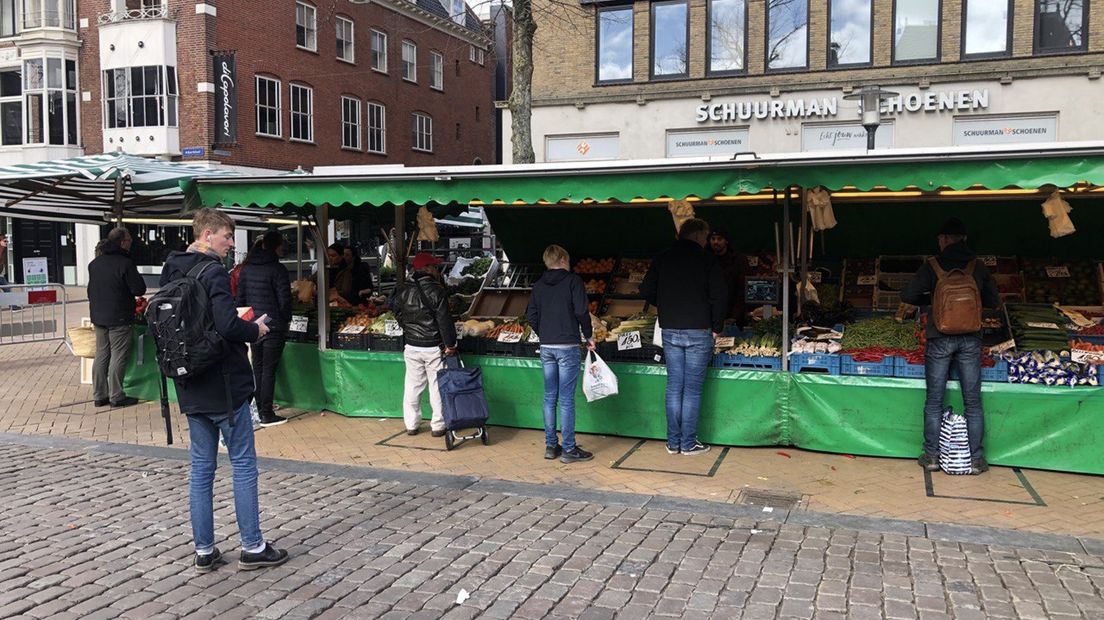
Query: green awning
{"points": [[627, 181]]}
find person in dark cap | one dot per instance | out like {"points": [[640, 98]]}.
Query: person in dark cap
{"points": [[734, 267], [963, 350]]}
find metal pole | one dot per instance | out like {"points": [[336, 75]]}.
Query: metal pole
{"points": [[400, 244], [322, 219], [786, 270], [870, 130], [298, 247], [803, 252]]}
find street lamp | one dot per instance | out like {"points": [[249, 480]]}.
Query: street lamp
{"points": [[871, 98]]}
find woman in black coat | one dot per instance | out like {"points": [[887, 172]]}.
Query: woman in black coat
{"points": [[265, 285]]}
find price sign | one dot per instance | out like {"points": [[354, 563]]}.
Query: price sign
{"points": [[636, 277], [298, 324], [506, 336], [815, 277], [459, 327], [352, 329], [1044, 325], [867, 280], [1058, 272], [989, 261], [534, 338], [627, 341], [726, 342], [1081, 356], [1002, 347], [391, 328]]}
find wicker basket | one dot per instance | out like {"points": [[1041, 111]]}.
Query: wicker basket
{"points": [[83, 340]]}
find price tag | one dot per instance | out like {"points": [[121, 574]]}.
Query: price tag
{"points": [[627, 341], [753, 261], [459, 327], [1044, 325], [391, 328], [1002, 347], [989, 261], [298, 324], [352, 329], [1058, 272], [534, 338], [726, 342], [815, 277], [867, 280], [1082, 356], [636, 277], [505, 336]]}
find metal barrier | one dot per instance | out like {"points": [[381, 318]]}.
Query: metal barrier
{"points": [[33, 313]]}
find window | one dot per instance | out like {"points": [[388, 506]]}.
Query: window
{"points": [[476, 55], [50, 101], [915, 30], [436, 71], [345, 41], [9, 26], [302, 113], [350, 123], [670, 36], [1061, 25], [11, 106], [727, 35], [306, 26], [849, 39], [379, 51], [615, 40], [377, 128], [423, 132], [459, 11], [49, 14], [269, 115], [985, 28], [409, 61], [787, 34]]}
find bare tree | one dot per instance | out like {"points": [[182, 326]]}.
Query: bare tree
{"points": [[781, 30]]}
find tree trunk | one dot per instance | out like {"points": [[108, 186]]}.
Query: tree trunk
{"points": [[521, 98]]}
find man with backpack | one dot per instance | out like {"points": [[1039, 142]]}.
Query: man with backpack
{"points": [[201, 344], [956, 285]]}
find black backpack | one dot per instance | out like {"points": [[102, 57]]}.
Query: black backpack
{"points": [[179, 318]]}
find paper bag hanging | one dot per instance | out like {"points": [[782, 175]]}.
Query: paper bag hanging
{"points": [[820, 208], [1056, 210], [681, 211], [427, 226]]}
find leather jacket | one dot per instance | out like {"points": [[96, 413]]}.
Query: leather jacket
{"points": [[424, 324]]}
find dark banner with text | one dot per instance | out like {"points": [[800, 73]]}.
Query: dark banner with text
{"points": [[226, 99]]}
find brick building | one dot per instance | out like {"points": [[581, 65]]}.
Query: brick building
{"points": [[674, 78]]}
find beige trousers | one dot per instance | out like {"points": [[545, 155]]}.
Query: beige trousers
{"points": [[422, 365]]}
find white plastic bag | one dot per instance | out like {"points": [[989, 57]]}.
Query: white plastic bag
{"points": [[657, 337], [954, 444], [598, 380]]}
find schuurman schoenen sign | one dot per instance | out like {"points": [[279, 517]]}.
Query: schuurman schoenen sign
{"points": [[226, 99]]}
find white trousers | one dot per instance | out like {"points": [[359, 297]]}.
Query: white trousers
{"points": [[421, 369]]}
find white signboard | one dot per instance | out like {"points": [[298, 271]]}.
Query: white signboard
{"points": [[35, 271], [1006, 130], [699, 143], [628, 340], [582, 147], [843, 136], [298, 324]]}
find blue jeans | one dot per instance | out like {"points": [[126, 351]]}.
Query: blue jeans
{"points": [[204, 432], [965, 353], [561, 372], [688, 353]]}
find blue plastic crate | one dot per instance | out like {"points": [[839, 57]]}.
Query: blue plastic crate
{"points": [[902, 368], [995, 374], [747, 362], [884, 368], [825, 363], [1089, 339]]}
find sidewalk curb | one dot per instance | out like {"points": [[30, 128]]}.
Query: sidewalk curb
{"points": [[946, 532]]}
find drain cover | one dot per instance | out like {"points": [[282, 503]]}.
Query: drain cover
{"points": [[774, 499]]}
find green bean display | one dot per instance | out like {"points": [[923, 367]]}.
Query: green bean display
{"points": [[880, 332]]}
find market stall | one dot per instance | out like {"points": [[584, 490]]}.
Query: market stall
{"points": [[617, 214]]}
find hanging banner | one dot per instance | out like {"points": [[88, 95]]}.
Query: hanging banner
{"points": [[226, 99]]}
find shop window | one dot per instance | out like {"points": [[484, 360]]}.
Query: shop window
{"points": [[615, 44], [268, 107], [345, 42], [11, 107], [422, 130], [379, 51], [787, 34], [302, 113], [915, 31], [306, 26], [1061, 26], [50, 101], [849, 39], [670, 37], [727, 36], [409, 61], [986, 30], [139, 97], [436, 71], [377, 128], [9, 17]]}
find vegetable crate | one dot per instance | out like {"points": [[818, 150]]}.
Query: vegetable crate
{"points": [[995, 374], [902, 368], [646, 354], [385, 343], [823, 363], [748, 362], [307, 336], [355, 342], [884, 368], [489, 346]]}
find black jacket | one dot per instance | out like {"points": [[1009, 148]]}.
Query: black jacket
{"points": [[918, 291], [113, 283], [687, 285], [558, 308], [206, 393], [265, 285], [424, 325]]}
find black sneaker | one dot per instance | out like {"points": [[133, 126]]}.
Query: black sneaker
{"points": [[978, 466], [209, 562], [272, 420], [271, 556], [411, 431], [928, 462], [671, 450], [578, 455], [440, 433], [552, 452], [101, 403], [699, 448], [127, 401]]}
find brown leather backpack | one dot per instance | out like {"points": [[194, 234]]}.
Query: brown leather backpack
{"points": [[956, 302]]}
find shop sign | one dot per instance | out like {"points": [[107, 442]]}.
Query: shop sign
{"points": [[843, 136], [582, 147], [35, 271], [226, 99], [828, 107], [1005, 130], [700, 143]]}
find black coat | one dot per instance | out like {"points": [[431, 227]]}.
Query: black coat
{"points": [[265, 285], [424, 317], [558, 308], [687, 285], [206, 393], [919, 290], [113, 283]]}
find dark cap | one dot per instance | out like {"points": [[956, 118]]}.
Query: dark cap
{"points": [[953, 226], [719, 231]]}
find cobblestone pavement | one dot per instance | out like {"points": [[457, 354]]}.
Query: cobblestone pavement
{"points": [[93, 530]]}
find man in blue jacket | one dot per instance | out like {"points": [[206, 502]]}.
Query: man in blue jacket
{"points": [[218, 401], [264, 285], [558, 313]]}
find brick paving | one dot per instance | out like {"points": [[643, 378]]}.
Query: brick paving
{"points": [[95, 530]]}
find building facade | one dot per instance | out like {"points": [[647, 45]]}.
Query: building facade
{"points": [[681, 78]]}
